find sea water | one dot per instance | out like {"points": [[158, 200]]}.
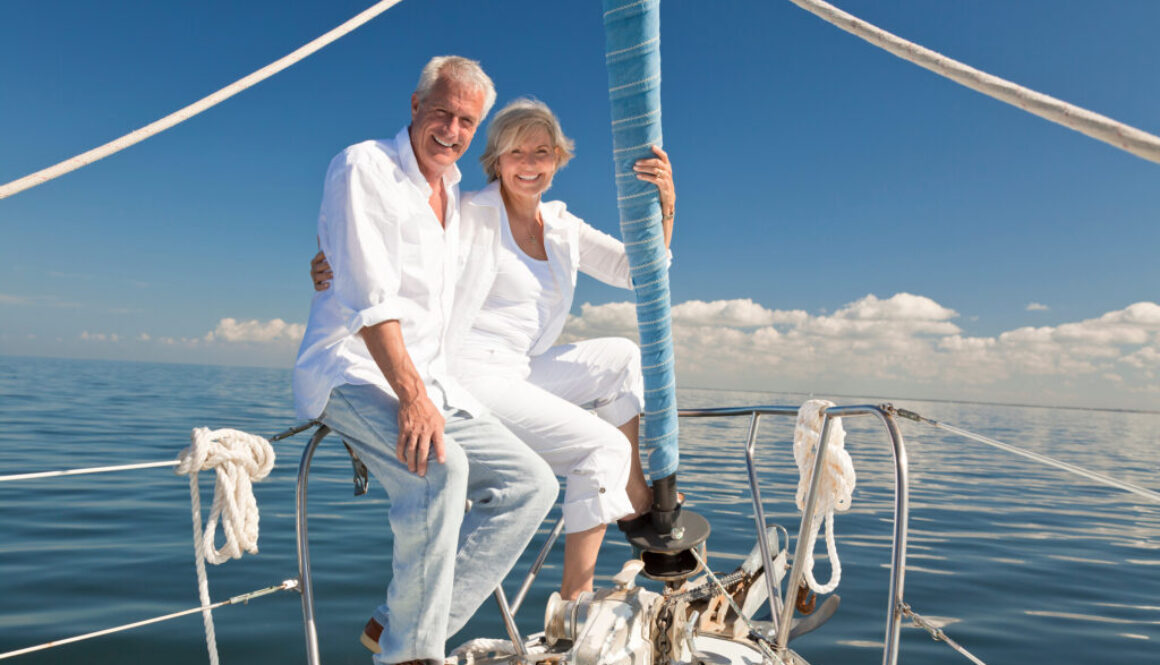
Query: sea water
{"points": [[1016, 561]]}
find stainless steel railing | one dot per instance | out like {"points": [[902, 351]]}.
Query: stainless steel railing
{"points": [[781, 611]]}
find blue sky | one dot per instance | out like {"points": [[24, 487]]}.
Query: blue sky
{"points": [[857, 222]]}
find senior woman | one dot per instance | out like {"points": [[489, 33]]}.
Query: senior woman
{"points": [[519, 258]]}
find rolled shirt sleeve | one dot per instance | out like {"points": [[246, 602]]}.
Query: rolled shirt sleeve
{"points": [[360, 232], [604, 257]]}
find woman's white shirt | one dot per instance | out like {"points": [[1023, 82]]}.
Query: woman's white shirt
{"points": [[515, 311], [572, 246]]}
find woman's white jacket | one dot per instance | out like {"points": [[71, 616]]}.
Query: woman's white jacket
{"points": [[571, 244]]}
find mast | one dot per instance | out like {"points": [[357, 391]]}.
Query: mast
{"points": [[632, 56]]}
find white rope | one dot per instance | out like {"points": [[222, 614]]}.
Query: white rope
{"points": [[116, 145], [80, 472], [1100, 127], [244, 598], [1049, 461], [835, 488], [937, 633], [485, 648], [301, 427], [239, 459], [482, 646]]}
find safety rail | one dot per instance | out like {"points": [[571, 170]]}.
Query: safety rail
{"points": [[306, 586], [782, 613], [206, 606]]}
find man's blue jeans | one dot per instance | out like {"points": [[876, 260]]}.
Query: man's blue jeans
{"points": [[445, 562]]}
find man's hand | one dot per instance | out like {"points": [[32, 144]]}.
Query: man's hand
{"points": [[420, 421], [420, 431], [320, 272]]}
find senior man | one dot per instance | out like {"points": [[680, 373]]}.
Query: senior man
{"points": [[372, 367]]}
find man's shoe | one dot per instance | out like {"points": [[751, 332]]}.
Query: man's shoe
{"points": [[370, 636]]}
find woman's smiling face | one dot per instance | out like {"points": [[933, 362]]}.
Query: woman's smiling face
{"points": [[526, 169]]}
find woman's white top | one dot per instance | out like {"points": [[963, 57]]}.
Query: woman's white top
{"points": [[571, 245], [517, 309]]}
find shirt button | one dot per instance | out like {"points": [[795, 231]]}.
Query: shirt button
{"points": [[602, 490]]}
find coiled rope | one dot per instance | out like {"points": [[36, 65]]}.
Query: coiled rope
{"points": [[486, 648], [239, 459], [1099, 127], [156, 127], [835, 488]]}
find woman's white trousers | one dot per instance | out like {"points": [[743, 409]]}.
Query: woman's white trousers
{"points": [[550, 409]]}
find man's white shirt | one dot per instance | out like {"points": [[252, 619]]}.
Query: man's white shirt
{"points": [[391, 261]]}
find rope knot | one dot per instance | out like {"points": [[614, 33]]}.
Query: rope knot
{"points": [[239, 459], [835, 487]]}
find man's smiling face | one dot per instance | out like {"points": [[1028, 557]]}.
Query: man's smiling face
{"points": [[443, 124]]}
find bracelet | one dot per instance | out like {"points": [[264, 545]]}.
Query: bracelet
{"points": [[670, 214]]}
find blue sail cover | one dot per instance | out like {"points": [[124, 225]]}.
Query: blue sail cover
{"points": [[632, 54]]}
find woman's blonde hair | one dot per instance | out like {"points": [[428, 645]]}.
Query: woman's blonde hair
{"points": [[513, 123]]}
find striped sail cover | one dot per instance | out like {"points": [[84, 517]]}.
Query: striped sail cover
{"points": [[632, 54]]}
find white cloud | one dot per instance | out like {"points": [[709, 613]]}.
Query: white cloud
{"points": [[899, 307], [733, 313], [1145, 358], [228, 332], [616, 319], [904, 345], [1037, 307], [901, 315], [274, 330], [42, 301]]}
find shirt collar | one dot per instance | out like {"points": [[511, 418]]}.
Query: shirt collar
{"points": [[552, 212], [410, 164], [489, 196]]}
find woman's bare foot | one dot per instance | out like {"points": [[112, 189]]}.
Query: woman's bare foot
{"points": [[639, 493]]}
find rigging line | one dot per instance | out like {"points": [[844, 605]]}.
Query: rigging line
{"points": [[1043, 459], [158, 126], [244, 598], [733, 604], [937, 633], [1100, 127], [141, 465], [95, 469]]}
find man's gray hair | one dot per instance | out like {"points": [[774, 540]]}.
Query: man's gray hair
{"points": [[456, 69]]}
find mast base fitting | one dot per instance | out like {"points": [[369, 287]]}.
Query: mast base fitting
{"points": [[666, 542]]}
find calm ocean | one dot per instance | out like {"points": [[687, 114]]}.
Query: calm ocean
{"points": [[1020, 563]]}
